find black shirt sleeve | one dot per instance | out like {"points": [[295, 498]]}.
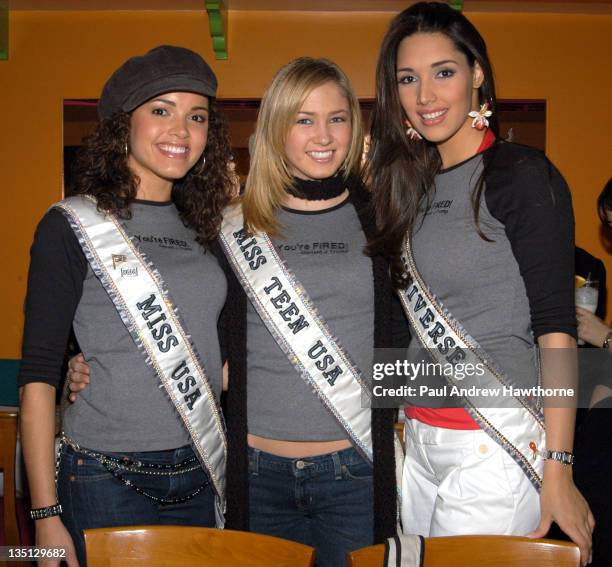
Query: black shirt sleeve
{"points": [[528, 195], [55, 284]]}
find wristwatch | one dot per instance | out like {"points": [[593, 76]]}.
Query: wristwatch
{"points": [[607, 340], [564, 457]]}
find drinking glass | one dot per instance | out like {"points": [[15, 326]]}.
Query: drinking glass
{"points": [[586, 297]]}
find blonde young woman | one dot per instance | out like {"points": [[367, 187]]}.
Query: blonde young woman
{"points": [[305, 464]]}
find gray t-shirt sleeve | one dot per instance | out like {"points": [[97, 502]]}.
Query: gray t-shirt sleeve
{"points": [[55, 285]]}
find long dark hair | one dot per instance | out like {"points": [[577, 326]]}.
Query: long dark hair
{"points": [[101, 170], [400, 170], [604, 202]]}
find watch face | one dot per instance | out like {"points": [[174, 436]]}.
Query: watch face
{"points": [[562, 456]]}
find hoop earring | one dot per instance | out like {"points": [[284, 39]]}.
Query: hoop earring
{"points": [[201, 167], [126, 149], [411, 132], [480, 121]]}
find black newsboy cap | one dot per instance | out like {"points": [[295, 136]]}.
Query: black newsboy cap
{"points": [[164, 69]]}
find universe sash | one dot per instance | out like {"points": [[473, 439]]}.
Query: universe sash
{"points": [[289, 314], [144, 304], [516, 424]]}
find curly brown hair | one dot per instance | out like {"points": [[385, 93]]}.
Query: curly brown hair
{"points": [[101, 170]]}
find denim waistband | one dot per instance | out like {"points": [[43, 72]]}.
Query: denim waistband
{"points": [[167, 456], [329, 462]]}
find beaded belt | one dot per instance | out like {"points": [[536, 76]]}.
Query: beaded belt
{"points": [[117, 466]]}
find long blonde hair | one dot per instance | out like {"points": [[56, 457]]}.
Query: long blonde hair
{"points": [[270, 173]]}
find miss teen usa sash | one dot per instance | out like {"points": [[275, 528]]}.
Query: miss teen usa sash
{"points": [[143, 302], [516, 424], [290, 316]]}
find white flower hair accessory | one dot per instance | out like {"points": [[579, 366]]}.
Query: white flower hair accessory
{"points": [[480, 121]]}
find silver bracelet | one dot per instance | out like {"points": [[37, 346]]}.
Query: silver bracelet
{"points": [[564, 457], [46, 512]]}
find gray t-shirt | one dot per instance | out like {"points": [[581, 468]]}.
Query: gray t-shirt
{"points": [[325, 251], [479, 282], [124, 408]]}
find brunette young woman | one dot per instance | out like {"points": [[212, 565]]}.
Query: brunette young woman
{"points": [[126, 263], [479, 233]]}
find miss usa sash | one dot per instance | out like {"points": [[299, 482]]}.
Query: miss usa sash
{"points": [[289, 314], [144, 304], [516, 424]]}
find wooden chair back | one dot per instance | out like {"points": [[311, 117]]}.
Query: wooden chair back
{"points": [[8, 443], [467, 551], [169, 546]]}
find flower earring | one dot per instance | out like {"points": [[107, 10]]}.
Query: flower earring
{"points": [[480, 121], [411, 132]]}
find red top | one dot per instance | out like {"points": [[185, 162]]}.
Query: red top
{"points": [[449, 418]]}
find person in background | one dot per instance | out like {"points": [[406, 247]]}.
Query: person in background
{"points": [[591, 326], [593, 468], [604, 205]]}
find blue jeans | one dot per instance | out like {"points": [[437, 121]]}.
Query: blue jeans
{"points": [[91, 496], [324, 501]]}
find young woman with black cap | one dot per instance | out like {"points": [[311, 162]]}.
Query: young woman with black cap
{"points": [[127, 264]]}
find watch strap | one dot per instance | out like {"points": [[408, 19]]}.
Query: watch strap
{"points": [[564, 457]]}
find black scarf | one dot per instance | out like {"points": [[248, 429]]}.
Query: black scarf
{"points": [[320, 189]]}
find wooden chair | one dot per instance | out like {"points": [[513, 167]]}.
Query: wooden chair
{"points": [[170, 546], [492, 551], [8, 443]]}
